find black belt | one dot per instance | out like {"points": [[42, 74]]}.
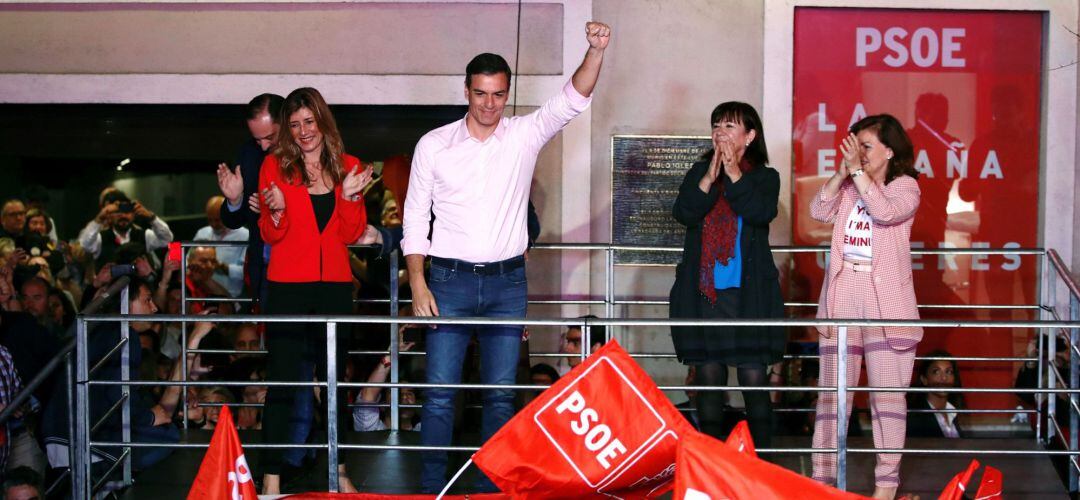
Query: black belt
{"points": [[485, 269]]}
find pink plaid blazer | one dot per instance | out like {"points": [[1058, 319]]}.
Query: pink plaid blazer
{"points": [[892, 208]]}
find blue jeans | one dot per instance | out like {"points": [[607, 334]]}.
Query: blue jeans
{"points": [[462, 293]]}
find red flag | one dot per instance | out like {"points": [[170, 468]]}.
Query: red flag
{"points": [[224, 473], [991, 486], [376, 496], [709, 469], [955, 489], [740, 440], [604, 429]]}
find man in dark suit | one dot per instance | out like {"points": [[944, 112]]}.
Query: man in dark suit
{"points": [[240, 185]]}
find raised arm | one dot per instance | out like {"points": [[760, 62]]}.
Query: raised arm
{"points": [[575, 96], [598, 35]]}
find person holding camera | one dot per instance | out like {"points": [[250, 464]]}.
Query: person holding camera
{"points": [[128, 221]]}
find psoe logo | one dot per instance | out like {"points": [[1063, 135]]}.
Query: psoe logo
{"points": [[239, 475], [600, 423]]}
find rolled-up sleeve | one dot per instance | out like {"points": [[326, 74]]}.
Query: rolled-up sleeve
{"points": [[554, 114]]}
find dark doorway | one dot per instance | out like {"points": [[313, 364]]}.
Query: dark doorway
{"points": [[73, 150]]}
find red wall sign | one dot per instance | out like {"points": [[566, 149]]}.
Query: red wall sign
{"points": [[966, 85]]}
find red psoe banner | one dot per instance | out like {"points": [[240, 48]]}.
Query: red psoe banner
{"points": [[990, 487], [224, 473], [709, 469], [603, 430], [377, 496], [740, 440]]}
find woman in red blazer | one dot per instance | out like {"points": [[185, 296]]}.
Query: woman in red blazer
{"points": [[871, 201], [312, 209]]}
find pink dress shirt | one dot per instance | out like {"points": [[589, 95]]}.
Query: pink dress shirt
{"points": [[479, 191]]}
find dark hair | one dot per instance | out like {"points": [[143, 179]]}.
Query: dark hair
{"points": [[891, 133], [545, 369], [137, 284], [65, 301], [745, 114], [34, 278], [114, 196], [289, 154], [36, 212], [134, 285], [955, 398], [486, 64], [597, 333], [129, 252], [265, 103], [22, 476]]}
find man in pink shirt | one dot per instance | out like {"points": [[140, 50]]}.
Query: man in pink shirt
{"points": [[474, 175]]}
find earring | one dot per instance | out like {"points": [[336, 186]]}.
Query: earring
{"points": [[748, 144]]}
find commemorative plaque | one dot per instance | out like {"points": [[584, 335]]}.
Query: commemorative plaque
{"points": [[646, 171]]}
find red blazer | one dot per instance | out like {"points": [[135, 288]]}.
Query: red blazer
{"points": [[892, 208], [299, 253]]}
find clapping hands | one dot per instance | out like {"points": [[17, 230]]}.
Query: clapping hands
{"points": [[355, 182], [231, 183], [849, 147], [273, 198]]}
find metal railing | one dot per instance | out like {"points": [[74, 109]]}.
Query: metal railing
{"points": [[1050, 324]]}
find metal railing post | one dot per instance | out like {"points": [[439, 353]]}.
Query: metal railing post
{"points": [[1074, 383], [125, 375], [395, 342], [332, 405], [1051, 382], [80, 468], [586, 342], [183, 335], [1039, 370], [69, 372], [609, 284], [1046, 345], [841, 408]]}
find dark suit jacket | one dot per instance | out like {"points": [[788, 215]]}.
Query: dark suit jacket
{"points": [[924, 424], [251, 158]]}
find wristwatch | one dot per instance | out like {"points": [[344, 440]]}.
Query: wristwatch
{"points": [[856, 173]]}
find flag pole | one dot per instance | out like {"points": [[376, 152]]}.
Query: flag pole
{"points": [[454, 479]]}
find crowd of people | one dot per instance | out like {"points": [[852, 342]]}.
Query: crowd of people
{"points": [[295, 202]]}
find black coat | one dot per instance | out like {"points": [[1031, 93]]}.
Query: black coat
{"points": [[32, 346], [250, 163], [754, 198], [921, 424]]}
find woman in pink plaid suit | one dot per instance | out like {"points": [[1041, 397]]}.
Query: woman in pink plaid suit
{"points": [[871, 201]]}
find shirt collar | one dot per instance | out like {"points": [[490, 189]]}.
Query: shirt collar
{"points": [[462, 133]]}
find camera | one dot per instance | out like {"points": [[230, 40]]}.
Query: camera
{"points": [[118, 270], [126, 207]]}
